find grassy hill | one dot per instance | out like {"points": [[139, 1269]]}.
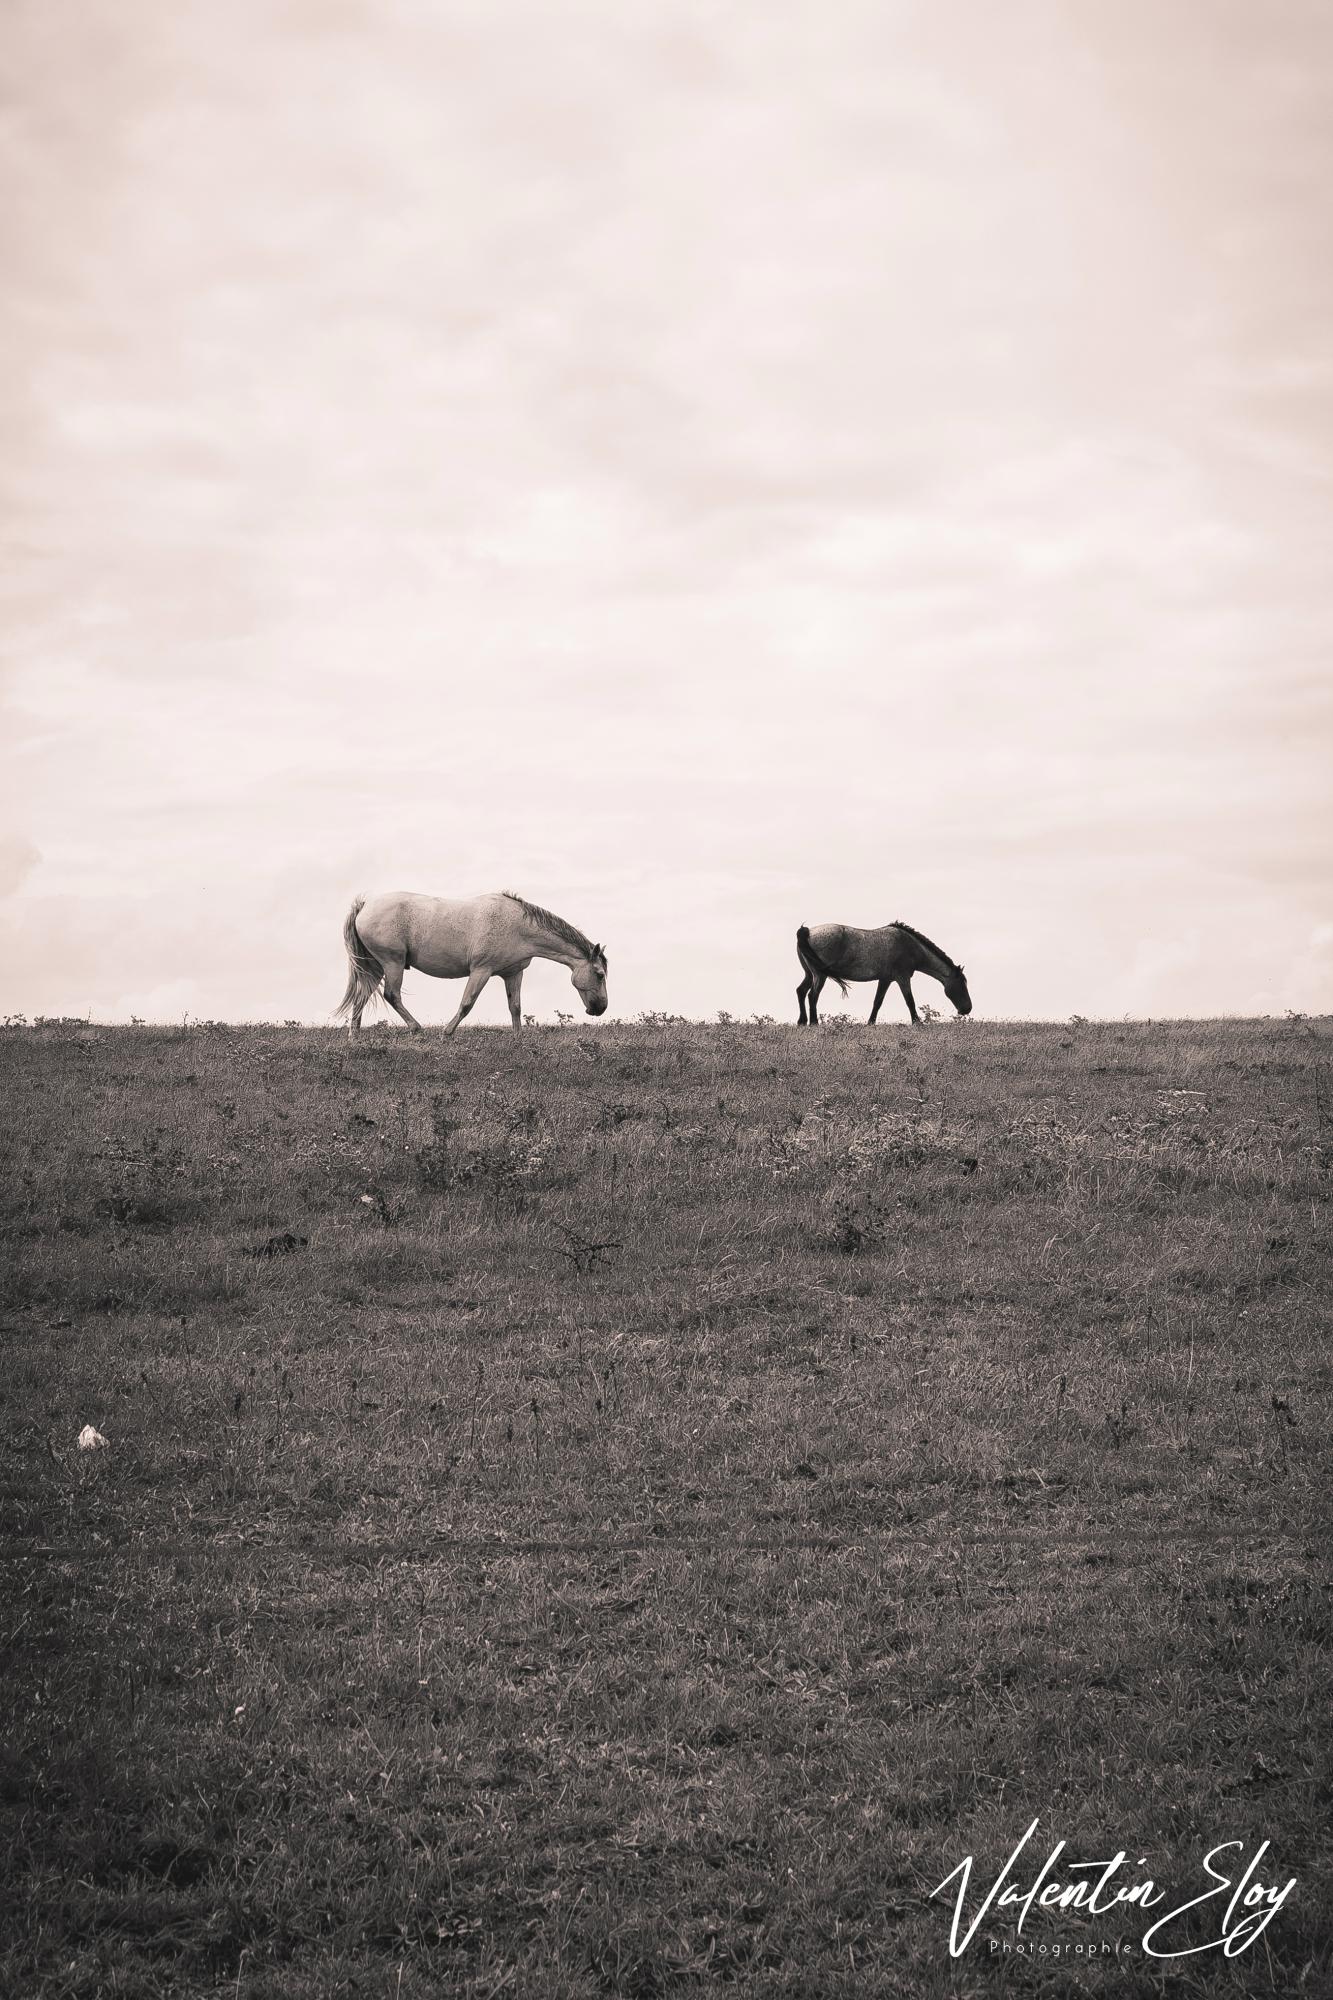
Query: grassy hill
{"points": [[629, 1508]]}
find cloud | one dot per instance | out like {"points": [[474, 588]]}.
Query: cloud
{"points": [[706, 470], [18, 857]]}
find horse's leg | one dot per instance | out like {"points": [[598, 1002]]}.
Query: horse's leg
{"points": [[801, 992], [393, 992], [880, 991], [354, 1020], [905, 981], [475, 982], [816, 988], [514, 995]]}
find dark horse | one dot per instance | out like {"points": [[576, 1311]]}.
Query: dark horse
{"points": [[893, 952]]}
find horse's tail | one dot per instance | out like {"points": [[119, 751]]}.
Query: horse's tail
{"points": [[811, 960], [365, 972]]}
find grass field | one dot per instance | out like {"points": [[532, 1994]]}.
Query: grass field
{"points": [[627, 1509]]}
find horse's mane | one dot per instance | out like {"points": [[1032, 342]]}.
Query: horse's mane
{"points": [[569, 932], [929, 943]]}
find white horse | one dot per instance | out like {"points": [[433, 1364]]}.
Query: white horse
{"points": [[473, 938]]}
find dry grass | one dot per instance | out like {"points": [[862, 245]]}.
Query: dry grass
{"points": [[630, 1508]]}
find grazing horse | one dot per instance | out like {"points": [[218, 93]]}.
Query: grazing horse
{"points": [[473, 938], [893, 952]]}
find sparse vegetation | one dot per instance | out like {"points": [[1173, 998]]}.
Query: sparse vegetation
{"points": [[626, 1510]]}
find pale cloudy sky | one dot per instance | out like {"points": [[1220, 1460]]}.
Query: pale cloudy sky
{"points": [[709, 468]]}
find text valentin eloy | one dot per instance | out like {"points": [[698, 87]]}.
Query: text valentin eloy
{"points": [[1249, 1907]]}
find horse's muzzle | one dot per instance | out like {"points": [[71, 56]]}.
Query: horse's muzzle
{"points": [[596, 1006]]}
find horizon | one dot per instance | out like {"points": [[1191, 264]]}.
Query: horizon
{"points": [[840, 1018], [711, 473]]}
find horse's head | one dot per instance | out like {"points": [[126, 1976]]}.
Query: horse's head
{"points": [[956, 988], [590, 981]]}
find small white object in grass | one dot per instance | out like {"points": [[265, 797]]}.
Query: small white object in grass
{"points": [[90, 1440]]}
